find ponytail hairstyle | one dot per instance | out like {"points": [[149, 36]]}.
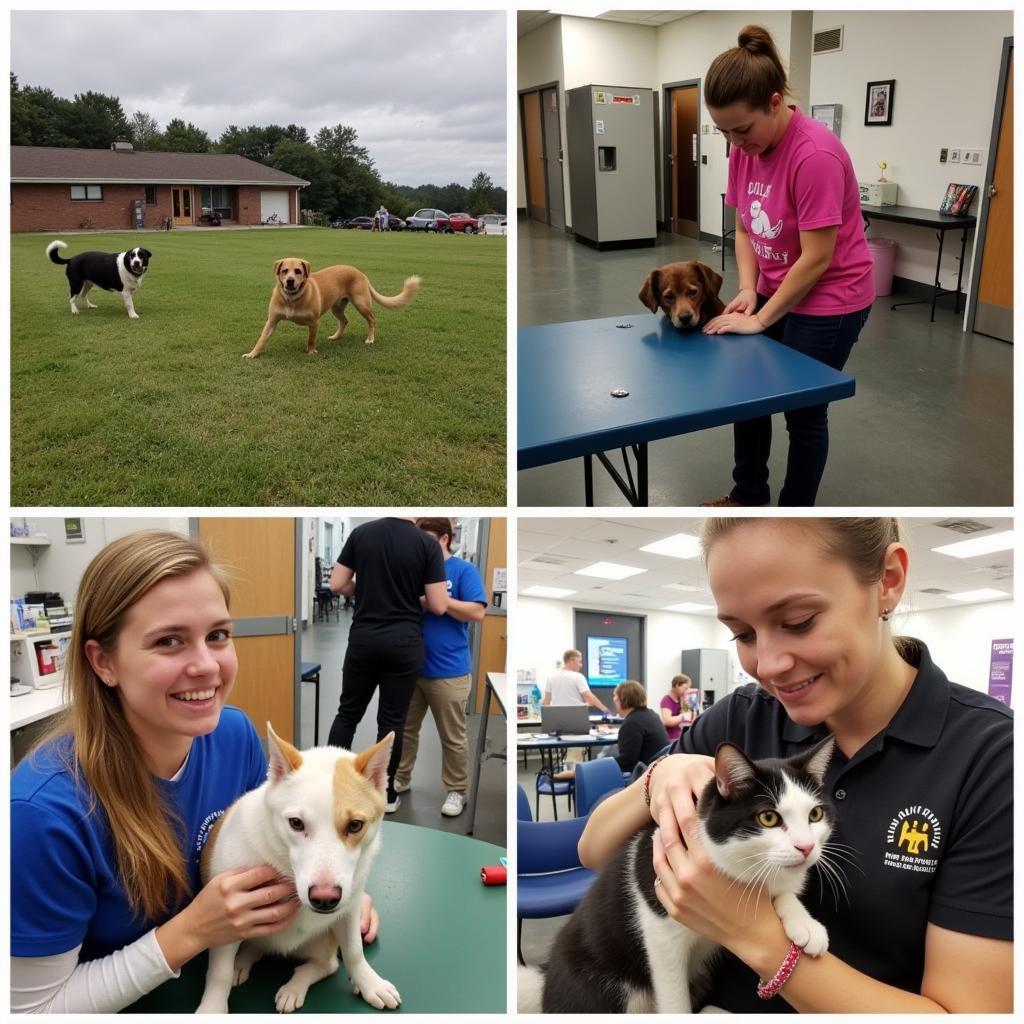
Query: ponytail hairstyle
{"points": [[103, 752], [860, 542], [750, 73]]}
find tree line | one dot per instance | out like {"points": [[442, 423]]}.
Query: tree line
{"points": [[343, 181]]}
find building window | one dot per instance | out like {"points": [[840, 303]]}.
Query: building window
{"points": [[85, 192], [150, 193], [216, 199]]}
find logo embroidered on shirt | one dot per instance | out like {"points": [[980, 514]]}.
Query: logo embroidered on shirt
{"points": [[913, 840]]}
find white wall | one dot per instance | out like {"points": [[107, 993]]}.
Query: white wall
{"points": [[544, 630], [60, 566], [945, 64]]}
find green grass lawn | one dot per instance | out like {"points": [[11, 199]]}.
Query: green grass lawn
{"points": [[164, 410]]}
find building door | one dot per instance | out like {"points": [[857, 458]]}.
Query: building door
{"points": [[553, 157], [683, 158], [181, 205], [493, 643], [994, 314], [533, 157], [261, 555]]}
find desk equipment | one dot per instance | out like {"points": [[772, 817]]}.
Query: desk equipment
{"points": [[573, 720], [940, 223], [676, 382]]}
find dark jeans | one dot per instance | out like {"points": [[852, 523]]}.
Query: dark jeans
{"points": [[828, 339], [394, 669]]}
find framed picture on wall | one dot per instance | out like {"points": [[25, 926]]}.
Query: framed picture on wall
{"points": [[878, 103], [830, 115]]}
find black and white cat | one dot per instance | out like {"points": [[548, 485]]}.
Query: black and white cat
{"points": [[764, 823]]}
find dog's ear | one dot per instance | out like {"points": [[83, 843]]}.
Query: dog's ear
{"points": [[146, 253], [283, 757], [277, 267], [650, 294], [373, 762], [713, 305], [305, 267]]}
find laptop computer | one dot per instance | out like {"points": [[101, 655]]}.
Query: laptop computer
{"points": [[573, 720]]}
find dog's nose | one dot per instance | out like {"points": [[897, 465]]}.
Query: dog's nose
{"points": [[324, 898]]}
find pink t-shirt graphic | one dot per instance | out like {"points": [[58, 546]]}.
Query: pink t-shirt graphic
{"points": [[806, 182]]}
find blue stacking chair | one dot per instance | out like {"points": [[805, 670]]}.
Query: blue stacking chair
{"points": [[551, 880], [556, 788], [523, 812], [594, 780]]}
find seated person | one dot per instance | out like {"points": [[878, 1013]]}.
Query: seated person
{"points": [[642, 733]]}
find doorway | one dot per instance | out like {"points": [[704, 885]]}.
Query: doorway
{"points": [[682, 172], [993, 313], [542, 155], [181, 205]]}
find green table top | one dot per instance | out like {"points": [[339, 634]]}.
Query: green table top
{"points": [[441, 942]]}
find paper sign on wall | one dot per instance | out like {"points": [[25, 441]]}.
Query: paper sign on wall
{"points": [[1000, 670], [599, 127]]}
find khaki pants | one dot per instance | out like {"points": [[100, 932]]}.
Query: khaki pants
{"points": [[446, 699]]}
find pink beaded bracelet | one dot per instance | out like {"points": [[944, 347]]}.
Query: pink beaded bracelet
{"points": [[647, 779], [768, 989]]}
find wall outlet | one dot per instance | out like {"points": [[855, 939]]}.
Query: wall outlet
{"points": [[954, 156], [943, 155]]}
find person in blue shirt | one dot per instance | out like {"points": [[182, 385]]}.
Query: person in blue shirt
{"points": [[444, 681], [110, 811]]}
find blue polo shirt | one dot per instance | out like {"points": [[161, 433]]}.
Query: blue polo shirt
{"points": [[65, 890], [446, 639], [924, 810]]}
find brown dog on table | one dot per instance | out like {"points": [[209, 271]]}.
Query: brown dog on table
{"points": [[687, 292], [303, 297]]}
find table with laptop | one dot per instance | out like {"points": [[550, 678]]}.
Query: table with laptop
{"points": [[438, 922], [562, 728]]}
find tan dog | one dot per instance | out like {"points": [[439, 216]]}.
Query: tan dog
{"points": [[687, 292], [303, 298]]}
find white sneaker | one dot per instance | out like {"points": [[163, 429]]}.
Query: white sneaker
{"points": [[390, 808], [454, 803], [403, 787]]}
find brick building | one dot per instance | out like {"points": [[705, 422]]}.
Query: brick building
{"points": [[68, 189]]}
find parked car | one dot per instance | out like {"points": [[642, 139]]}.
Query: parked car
{"points": [[429, 220], [395, 223], [362, 223], [462, 222], [492, 224]]}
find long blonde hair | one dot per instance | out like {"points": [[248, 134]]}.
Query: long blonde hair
{"points": [[104, 752], [861, 542]]}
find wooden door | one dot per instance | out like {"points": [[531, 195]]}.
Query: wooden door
{"points": [[533, 156], [994, 315], [683, 160], [181, 205], [260, 556], [493, 632], [553, 158]]}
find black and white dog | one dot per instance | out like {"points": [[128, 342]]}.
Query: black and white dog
{"points": [[114, 272]]}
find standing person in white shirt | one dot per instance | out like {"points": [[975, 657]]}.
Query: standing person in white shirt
{"points": [[568, 685]]}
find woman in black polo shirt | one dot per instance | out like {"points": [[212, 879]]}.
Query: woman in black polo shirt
{"points": [[921, 781], [642, 735]]}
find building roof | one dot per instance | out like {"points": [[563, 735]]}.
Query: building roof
{"points": [[49, 164]]}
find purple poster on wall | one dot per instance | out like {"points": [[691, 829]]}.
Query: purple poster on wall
{"points": [[1000, 670]]}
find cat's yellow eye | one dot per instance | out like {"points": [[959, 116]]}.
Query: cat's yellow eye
{"points": [[817, 813], [768, 818]]}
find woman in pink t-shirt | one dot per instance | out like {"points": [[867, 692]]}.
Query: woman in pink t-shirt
{"points": [[676, 710], [805, 272]]}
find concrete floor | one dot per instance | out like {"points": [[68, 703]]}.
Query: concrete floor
{"points": [[931, 423], [325, 642]]}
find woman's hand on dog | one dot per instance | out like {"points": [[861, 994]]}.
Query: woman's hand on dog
{"points": [[734, 323], [745, 302], [243, 904]]}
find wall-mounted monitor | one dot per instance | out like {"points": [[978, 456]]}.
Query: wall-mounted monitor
{"points": [[607, 660]]}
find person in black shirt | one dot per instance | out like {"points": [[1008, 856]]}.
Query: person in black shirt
{"points": [[921, 782], [389, 565], [642, 735]]}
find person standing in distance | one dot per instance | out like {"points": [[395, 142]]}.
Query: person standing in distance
{"points": [[444, 682], [388, 564], [568, 685]]}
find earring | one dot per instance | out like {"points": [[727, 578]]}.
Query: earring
{"points": [[886, 612]]}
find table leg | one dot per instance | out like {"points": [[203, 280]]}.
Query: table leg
{"points": [[938, 267], [641, 473], [723, 235], [481, 743], [588, 480], [960, 272]]}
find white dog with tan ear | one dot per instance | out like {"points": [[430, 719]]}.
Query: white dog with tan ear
{"points": [[317, 820]]}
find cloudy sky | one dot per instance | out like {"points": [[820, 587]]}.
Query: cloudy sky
{"points": [[424, 90]]}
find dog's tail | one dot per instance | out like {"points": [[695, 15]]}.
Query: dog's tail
{"points": [[403, 298], [52, 250], [529, 989]]}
